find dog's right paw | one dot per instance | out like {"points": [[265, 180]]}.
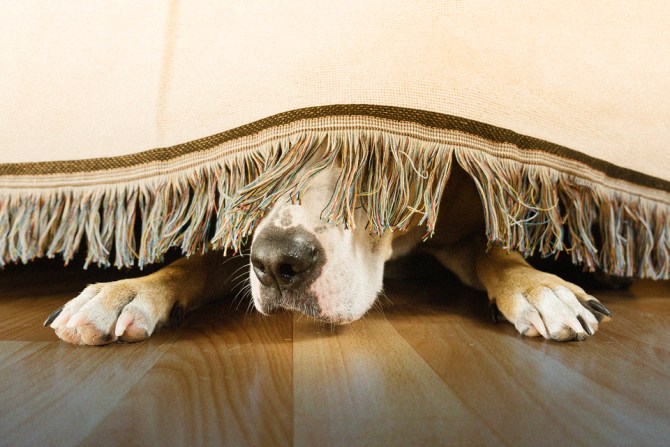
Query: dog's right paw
{"points": [[126, 310]]}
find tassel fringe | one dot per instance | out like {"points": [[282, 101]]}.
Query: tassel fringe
{"points": [[397, 179]]}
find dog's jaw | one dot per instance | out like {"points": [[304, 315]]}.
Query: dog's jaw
{"points": [[351, 275]]}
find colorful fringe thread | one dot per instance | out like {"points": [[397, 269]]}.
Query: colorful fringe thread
{"points": [[398, 180]]}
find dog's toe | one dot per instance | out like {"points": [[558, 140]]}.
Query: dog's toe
{"points": [[80, 328], [566, 333], [69, 335], [133, 325], [531, 324], [92, 335]]}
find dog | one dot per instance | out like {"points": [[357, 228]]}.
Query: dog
{"points": [[334, 274]]}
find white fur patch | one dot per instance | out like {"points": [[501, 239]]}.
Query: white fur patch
{"points": [[351, 277]]}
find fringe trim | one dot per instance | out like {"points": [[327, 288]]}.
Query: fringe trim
{"points": [[398, 179], [536, 209]]}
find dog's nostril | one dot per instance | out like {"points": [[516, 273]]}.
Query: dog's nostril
{"points": [[258, 266], [287, 271], [282, 272], [266, 278]]}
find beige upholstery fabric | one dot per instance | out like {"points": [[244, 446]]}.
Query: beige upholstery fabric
{"points": [[568, 92]]}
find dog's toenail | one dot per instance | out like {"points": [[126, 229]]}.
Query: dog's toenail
{"points": [[599, 307], [53, 316]]}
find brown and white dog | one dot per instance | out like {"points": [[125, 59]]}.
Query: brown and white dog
{"points": [[301, 263]]}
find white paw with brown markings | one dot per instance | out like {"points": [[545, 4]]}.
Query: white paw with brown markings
{"points": [[125, 310], [542, 304]]}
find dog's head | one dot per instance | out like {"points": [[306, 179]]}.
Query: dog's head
{"points": [[300, 262]]}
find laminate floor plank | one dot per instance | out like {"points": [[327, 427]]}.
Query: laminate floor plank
{"points": [[226, 381], [642, 313], [52, 393], [13, 351], [362, 384], [59, 393], [579, 393]]}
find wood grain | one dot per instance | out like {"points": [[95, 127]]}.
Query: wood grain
{"points": [[518, 384], [374, 390], [57, 394], [226, 381], [430, 368]]}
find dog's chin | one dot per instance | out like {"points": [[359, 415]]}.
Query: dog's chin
{"points": [[329, 308], [315, 314], [271, 305]]}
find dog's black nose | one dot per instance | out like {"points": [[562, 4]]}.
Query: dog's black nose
{"points": [[285, 258]]}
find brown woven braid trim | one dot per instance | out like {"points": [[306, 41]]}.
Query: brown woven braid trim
{"points": [[422, 117]]}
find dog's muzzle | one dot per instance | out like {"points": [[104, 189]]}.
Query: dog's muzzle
{"points": [[286, 259]]}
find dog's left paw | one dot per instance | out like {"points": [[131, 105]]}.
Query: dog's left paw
{"points": [[126, 310], [539, 303]]}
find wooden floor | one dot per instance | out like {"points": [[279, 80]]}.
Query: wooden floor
{"points": [[430, 369]]}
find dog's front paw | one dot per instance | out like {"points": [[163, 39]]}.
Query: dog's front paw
{"points": [[126, 310], [539, 303]]}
